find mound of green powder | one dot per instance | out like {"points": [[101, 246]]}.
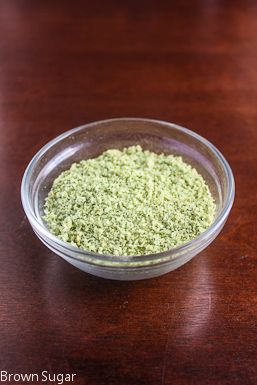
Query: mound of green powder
{"points": [[129, 202]]}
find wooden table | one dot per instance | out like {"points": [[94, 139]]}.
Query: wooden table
{"points": [[66, 63]]}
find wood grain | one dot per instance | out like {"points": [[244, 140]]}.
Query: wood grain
{"points": [[66, 63]]}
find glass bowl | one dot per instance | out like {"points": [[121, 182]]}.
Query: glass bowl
{"points": [[91, 140]]}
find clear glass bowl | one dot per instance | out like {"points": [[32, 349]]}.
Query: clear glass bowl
{"points": [[92, 139]]}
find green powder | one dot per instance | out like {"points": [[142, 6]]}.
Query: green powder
{"points": [[129, 202]]}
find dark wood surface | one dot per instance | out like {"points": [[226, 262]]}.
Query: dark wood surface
{"points": [[66, 63]]}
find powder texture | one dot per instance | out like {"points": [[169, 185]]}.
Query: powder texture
{"points": [[129, 202]]}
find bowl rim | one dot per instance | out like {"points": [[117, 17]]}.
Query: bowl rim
{"points": [[105, 259]]}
